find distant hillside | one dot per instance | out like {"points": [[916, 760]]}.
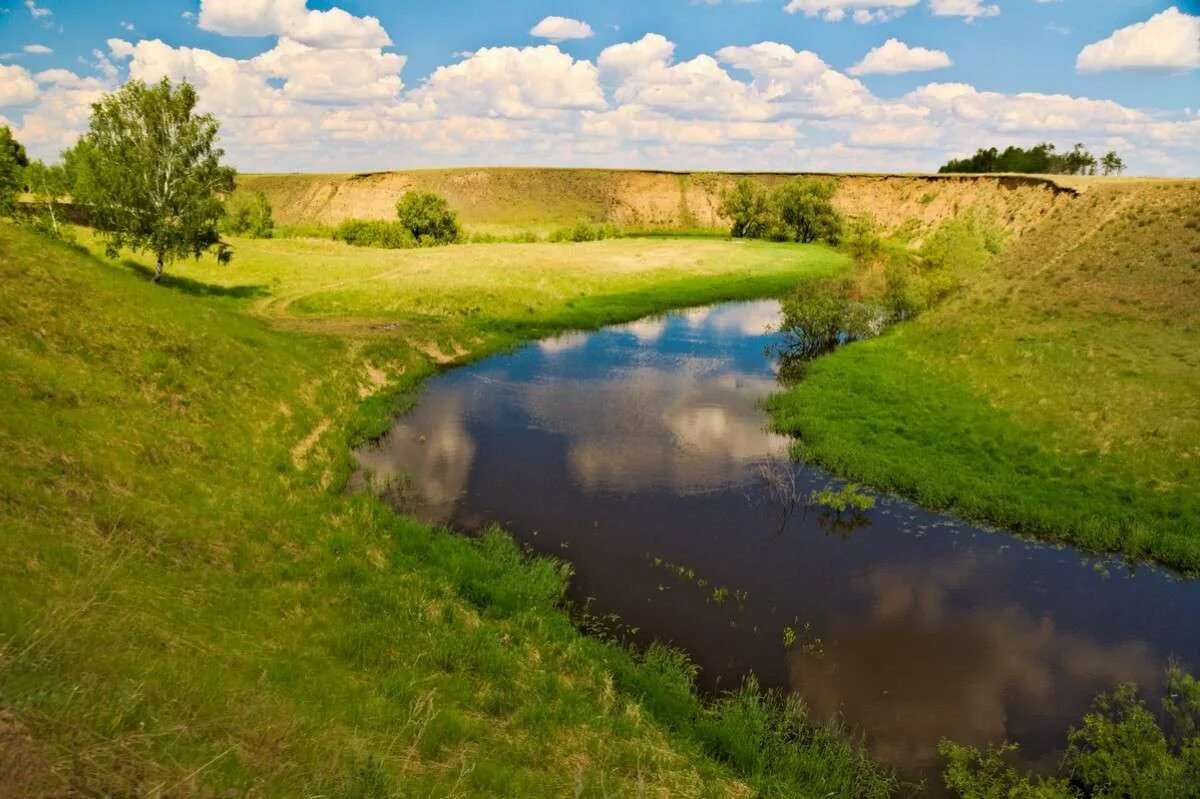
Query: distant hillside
{"points": [[541, 198]]}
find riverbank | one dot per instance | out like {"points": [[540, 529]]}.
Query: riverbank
{"points": [[197, 608], [1054, 395]]}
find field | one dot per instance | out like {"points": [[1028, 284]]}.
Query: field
{"points": [[1056, 395], [194, 608]]}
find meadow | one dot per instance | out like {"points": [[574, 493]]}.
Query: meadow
{"points": [[194, 606]]}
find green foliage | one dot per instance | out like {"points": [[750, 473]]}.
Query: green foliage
{"points": [[804, 207], [748, 208], [1120, 750], [248, 214], [375, 233], [1112, 164], [821, 314], [862, 239], [47, 185], [849, 497], [972, 774], [1041, 159], [150, 170], [584, 230], [12, 161], [427, 216]]}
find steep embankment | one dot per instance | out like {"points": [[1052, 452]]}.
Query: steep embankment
{"points": [[1056, 394], [539, 198]]}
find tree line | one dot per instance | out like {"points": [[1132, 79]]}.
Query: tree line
{"points": [[1041, 159]]}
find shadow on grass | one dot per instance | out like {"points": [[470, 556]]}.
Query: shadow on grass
{"points": [[198, 289]]}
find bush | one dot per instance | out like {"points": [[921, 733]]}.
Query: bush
{"points": [[862, 240], [586, 231], [13, 161], [375, 233], [428, 218], [747, 207], [1120, 750], [249, 215], [804, 206]]}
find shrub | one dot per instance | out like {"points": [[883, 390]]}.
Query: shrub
{"points": [[586, 231], [375, 233], [428, 218], [862, 240], [804, 206], [249, 215], [1120, 750], [747, 207]]}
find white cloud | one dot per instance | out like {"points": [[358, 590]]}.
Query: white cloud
{"points": [[894, 57], [37, 49], [861, 11], [560, 29], [332, 75], [334, 28], [1169, 40], [16, 86], [514, 82], [36, 11], [969, 9]]}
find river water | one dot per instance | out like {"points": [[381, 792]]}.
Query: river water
{"points": [[640, 454]]}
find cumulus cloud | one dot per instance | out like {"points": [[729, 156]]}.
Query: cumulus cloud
{"points": [[16, 86], [332, 76], [514, 82], [861, 11], [560, 29], [1169, 40], [334, 28], [894, 57], [968, 9]]}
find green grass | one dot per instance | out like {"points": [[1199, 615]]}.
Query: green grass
{"points": [[1056, 395], [193, 606]]}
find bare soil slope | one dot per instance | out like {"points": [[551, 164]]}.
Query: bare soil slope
{"points": [[538, 198]]}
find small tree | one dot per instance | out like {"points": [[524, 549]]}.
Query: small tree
{"points": [[747, 208], [1112, 164], [47, 185], [249, 214], [428, 217], [805, 207], [150, 170], [12, 164]]}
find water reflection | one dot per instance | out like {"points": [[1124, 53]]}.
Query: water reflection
{"points": [[644, 446], [924, 662]]}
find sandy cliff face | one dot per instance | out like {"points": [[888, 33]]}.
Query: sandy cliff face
{"points": [[550, 197]]}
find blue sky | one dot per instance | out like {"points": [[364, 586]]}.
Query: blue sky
{"points": [[366, 84]]}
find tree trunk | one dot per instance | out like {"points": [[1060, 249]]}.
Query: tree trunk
{"points": [[158, 270]]}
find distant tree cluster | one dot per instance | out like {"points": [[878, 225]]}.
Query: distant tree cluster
{"points": [[248, 214], [1041, 159], [423, 219], [799, 210], [13, 162]]}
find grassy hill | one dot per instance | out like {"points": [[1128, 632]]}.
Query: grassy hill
{"points": [[192, 606], [1056, 394]]}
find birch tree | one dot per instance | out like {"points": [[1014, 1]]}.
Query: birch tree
{"points": [[149, 170]]}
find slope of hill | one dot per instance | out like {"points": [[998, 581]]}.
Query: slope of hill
{"points": [[1056, 394], [541, 198]]}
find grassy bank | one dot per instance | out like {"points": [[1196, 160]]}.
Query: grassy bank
{"points": [[1055, 395], [193, 607]]}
